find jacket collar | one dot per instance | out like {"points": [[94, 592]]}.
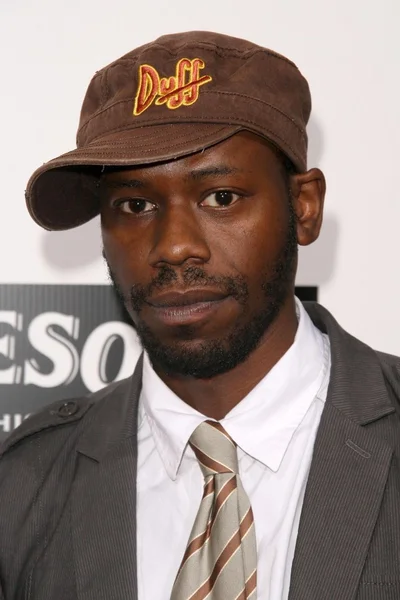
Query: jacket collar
{"points": [[114, 416], [355, 366]]}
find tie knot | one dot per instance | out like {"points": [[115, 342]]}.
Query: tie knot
{"points": [[214, 449]]}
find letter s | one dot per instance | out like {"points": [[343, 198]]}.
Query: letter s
{"points": [[54, 346]]}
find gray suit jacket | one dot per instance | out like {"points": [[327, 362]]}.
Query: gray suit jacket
{"points": [[68, 486]]}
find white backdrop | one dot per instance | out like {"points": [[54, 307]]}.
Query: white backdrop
{"points": [[348, 50]]}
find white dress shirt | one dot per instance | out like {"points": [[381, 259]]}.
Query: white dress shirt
{"points": [[274, 427]]}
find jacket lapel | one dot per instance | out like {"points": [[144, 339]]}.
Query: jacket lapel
{"points": [[103, 513], [348, 473]]}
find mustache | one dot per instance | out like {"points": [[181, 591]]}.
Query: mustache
{"points": [[190, 277]]}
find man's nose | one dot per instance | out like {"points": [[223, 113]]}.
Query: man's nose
{"points": [[178, 238]]}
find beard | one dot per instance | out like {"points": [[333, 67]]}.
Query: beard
{"points": [[214, 357]]}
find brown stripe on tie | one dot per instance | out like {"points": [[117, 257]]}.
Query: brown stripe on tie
{"points": [[228, 552], [246, 523], [198, 542], [249, 587], [219, 428], [230, 549], [196, 545], [209, 488], [229, 487], [242, 595], [251, 584], [210, 463]]}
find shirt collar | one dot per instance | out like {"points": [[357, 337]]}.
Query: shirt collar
{"points": [[264, 422], [171, 420]]}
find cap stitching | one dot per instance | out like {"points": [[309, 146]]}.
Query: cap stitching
{"points": [[199, 120], [146, 149], [204, 92], [257, 100], [219, 50], [78, 150], [106, 86], [104, 89], [162, 139], [166, 137], [222, 50], [246, 121]]}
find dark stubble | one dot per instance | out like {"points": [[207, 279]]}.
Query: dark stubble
{"points": [[213, 357]]}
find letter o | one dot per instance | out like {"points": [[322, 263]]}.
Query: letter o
{"points": [[96, 349]]}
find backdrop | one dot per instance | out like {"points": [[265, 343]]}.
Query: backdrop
{"points": [[61, 331]]}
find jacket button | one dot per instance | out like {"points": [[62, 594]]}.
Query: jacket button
{"points": [[68, 409]]}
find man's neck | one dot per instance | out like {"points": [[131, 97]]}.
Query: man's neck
{"points": [[217, 396]]}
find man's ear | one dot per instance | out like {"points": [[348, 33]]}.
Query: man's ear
{"points": [[308, 194]]}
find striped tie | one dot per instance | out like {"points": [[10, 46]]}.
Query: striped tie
{"points": [[220, 562]]}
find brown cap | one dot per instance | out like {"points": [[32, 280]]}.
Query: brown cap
{"points": [[170, 98]]}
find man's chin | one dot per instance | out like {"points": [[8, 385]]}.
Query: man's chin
{"points": [[193, 356], [191, 359]]}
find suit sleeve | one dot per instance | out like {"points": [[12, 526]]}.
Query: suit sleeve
{"points": [[18, 486]]}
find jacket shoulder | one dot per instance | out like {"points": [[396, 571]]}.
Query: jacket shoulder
{"points": [[390, 365], [57, 415], [390, 360]]}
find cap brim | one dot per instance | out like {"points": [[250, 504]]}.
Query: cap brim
{"points": [[63, 193]]}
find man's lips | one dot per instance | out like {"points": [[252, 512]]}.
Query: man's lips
{"points": [[176, 299], [186, 307]]}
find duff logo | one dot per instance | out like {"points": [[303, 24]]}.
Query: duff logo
{"points": [[182, 89]]}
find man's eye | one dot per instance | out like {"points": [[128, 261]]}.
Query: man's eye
{"points": [[220, 199], [135, 206]]}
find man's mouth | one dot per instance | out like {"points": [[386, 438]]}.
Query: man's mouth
{"points": [[186, 307], [185, 298]]}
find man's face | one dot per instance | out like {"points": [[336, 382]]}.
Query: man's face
{"points": [[203, 252]]}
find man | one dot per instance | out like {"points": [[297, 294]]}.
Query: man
{"points": [[255, 451]]}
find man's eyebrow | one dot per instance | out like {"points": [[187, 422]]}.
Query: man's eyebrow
{"points": [[212, 171], [123, 183]]}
